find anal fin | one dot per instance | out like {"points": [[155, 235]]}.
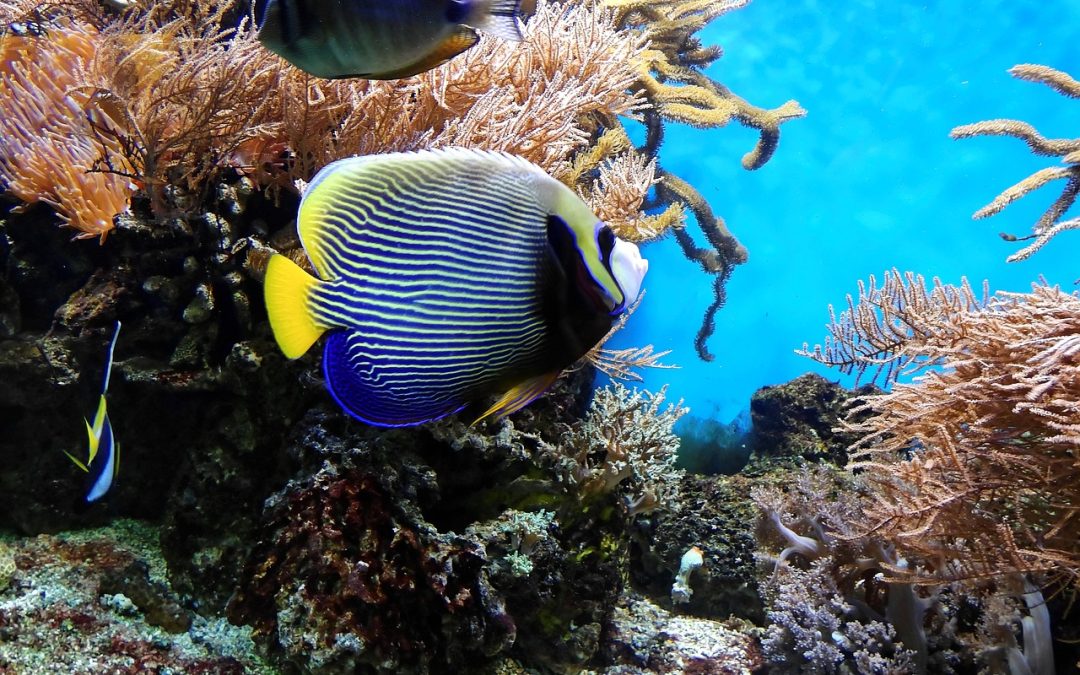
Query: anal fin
{"points": [[519, 396]]}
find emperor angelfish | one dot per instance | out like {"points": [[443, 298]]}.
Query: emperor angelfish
{"points": [[379, 39], [446, 277]]}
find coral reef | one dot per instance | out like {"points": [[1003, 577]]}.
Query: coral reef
{"points": [[833, 608], [984, 439], [714, 515], [169, 97], [96, 601], [645, 638], [168, 128], [1049, 224]]}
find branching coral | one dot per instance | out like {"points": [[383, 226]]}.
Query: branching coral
{"points": [[626, 438], [670, 77], [169, 96], [1049, 224], [985, 446]]}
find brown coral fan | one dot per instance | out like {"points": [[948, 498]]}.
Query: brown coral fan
{"points": [[975, 466], [1049, 224]]}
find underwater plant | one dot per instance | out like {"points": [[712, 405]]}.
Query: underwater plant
{"points": [[1049, 224], [170, 97], [982, 444]]}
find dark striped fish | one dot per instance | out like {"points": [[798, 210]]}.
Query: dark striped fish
{"points": [[446, 277], [379, 39]]}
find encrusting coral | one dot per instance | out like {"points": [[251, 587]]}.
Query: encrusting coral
{"points": [[1049, 224]]}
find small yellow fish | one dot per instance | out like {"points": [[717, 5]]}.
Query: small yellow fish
{"points": [[378, 39]]}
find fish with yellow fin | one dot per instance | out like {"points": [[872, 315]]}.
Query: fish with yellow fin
{"points": [[379, 39], [103, 458], [446, 277]]}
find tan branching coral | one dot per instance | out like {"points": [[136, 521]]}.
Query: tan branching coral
{"points": [[626, 441], [186, 97], [165, 96], [1049, 224], [974, 467]]}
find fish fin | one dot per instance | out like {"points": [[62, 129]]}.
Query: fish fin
{"points": [[99, 417], [287, 289], [519, 396], [460, 40], [109, 363], [501, 19], [77, 461], [357, 393]]}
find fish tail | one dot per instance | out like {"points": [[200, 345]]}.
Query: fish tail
{"points": [[288, 289], [502, 18]]}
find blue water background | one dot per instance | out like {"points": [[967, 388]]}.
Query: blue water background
{"points": [[867, 181]]}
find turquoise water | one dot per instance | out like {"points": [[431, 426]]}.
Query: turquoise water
{"points": [[869, 180]]}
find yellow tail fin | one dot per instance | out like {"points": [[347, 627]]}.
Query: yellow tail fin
{"points": [[287, 289]]}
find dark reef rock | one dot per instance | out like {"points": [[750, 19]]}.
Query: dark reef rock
{"points": [[799, 418], [345, 581], [350, 573], [716, 515]]}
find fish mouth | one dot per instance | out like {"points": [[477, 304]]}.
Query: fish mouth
{"points": [[628, 268]]}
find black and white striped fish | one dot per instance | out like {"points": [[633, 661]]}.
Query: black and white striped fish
{"points": [[446, 277], [379, 39]]}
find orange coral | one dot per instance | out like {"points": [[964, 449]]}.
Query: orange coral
{"points": [[50, 143]]}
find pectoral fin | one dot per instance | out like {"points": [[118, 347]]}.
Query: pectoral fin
{"points": [[520, 396]]}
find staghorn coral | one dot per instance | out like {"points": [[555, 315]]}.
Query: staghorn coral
{"points": [[984, 444], [626, 437], [1049, 224]]}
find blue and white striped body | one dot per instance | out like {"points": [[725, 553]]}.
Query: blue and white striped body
{"points": [[441, 298], [445, 277]]}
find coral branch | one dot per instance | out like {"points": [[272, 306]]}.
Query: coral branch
{"points": [[983, 447], [1067, 149]]}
